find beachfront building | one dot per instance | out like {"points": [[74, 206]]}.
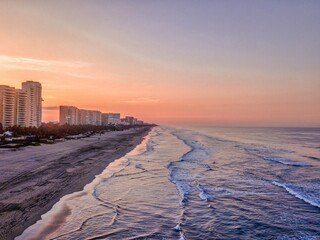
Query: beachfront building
{"points": [[110, 119], [34, 103], [89, 117], [84, 117], [123, 121], [7, 106], [21, 107], [68, 115], [74, 116], [139, 122], [128, 120], [131, 120], [95, 117], [20, 114]]}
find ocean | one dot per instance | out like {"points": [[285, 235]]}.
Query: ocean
{"points": [[199, 182]]}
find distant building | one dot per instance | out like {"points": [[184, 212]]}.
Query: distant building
{"points": [[68, 115], [124, 121], [72, 115], [34, 103], [84, 117], [95, 117], [130, 120], [111, 119], [20, 116], [7, 106], [89, 117], [139, 122]]}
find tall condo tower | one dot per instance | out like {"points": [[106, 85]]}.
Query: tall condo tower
{"points": [[34, 103], [7, 105], [20, 117]]}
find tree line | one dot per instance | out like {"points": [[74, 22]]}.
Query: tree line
{"points": [[56, 131]]}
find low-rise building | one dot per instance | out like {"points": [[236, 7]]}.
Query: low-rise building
{"points": [[123, 121], [111, 119], [130, 120], [139, 122]]}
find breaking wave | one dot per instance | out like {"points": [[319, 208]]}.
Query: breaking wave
{"points": [[310, 193]]}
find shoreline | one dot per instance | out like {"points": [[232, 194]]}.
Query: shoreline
{"points": [[28, 189]]}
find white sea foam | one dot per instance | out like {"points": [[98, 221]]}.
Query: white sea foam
{"points": [[177, 227], [198, 150], [204, 195], [306, 192], [183, 188], [176, 177], [182, 236]]}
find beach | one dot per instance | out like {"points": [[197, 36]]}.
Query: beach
{"points": [[33, 179]]}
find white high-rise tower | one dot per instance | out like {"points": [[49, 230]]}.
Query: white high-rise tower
{"points": [[7, 105], [20, 108], [34, 103]]}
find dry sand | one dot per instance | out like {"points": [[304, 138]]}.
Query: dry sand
{"points": [[33, 179]]}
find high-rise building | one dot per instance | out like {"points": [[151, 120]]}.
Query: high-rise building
{"points": [[83, 117], [96, 117], [20, 118], [110, 119], [69, 115], [34, 103], [89, 117], [7, 105]]}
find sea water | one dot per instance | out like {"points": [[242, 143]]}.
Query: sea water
{"points": [[199, 183]]}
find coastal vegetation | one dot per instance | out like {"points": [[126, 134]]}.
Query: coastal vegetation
{"points": [[17, 136]]}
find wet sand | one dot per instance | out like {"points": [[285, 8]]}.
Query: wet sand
{"points": [[33, 179]]}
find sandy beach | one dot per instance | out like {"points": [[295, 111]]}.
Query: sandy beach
{"points": [[33, 179]]}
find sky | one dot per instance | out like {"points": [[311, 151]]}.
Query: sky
{"points": [[242, 63]]}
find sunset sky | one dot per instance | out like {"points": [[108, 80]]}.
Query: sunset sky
{"points": [[221, 62]]}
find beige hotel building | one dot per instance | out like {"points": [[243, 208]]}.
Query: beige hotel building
{"points": [[34, 103], [68, 115], [21, 107], [7, 106], [73, 116]]}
